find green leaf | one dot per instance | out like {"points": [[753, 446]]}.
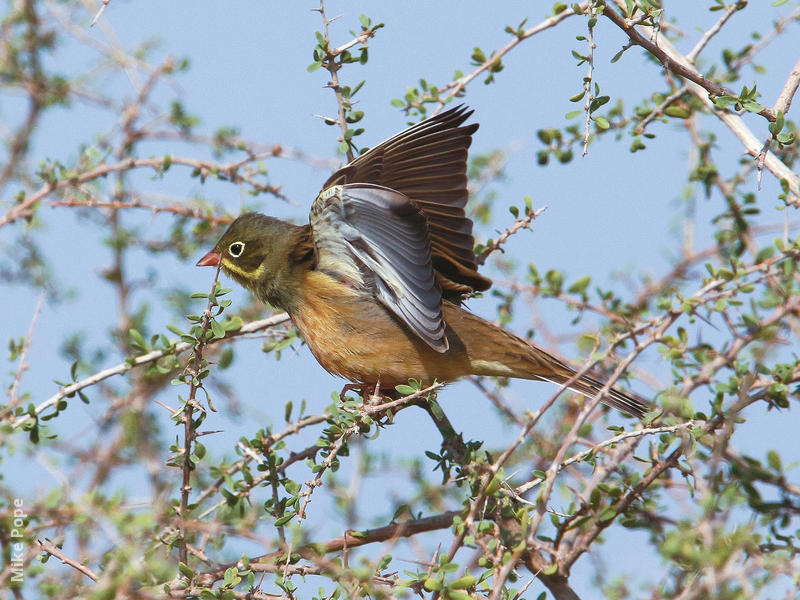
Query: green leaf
{"points": [[777, 125], [679, 112], [137, 340], [551, 570], [285, 519], [462, 582], [774, 460], [601, 122], [725, 101], [607, 514], [234, 323], [752, 106], [217, 329], [185, 570], [579, 287], [432, 585], [578, 97]]}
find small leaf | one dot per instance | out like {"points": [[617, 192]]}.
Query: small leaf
{"points": [[432, 585], [285, 519], [679, 112], [217, 329], [185, 570], [462, 582], [607, 514], [725, 101], [601, 122], [752, 106]]}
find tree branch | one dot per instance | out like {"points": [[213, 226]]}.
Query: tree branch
{"points": [[54, 551], [144, 359], [273, 562]]}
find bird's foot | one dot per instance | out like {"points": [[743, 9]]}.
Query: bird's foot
{"points": [[370, 392]]}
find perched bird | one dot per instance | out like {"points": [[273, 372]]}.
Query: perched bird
{"points": [[374, 282]]}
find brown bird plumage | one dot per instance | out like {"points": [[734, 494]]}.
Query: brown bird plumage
{"points": [[374, 282]]}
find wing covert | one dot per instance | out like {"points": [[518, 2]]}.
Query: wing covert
{"points": [[377, 237]]}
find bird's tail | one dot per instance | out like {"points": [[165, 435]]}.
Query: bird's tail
{"points": [[622, 401], [496, 352]]}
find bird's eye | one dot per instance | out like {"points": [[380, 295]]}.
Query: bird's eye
{"points": [[236, 249]]}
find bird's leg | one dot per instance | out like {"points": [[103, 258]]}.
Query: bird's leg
{"points": [[369, 392], [349, 387]]}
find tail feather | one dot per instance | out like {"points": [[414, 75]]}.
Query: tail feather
{"points": [[622, 401], [496, 352]]}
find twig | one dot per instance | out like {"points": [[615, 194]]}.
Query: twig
{"points": [[703, 41], [272, 562], [700, 87], [455, 88], [23, 364], [326, 464], [204, 168], [193, 370], [784, 100], [519, 490], [333, 67], [143, 360], [99, 12], [186, 211], [659, 110], [54, 551], [523, 223], [587, 81]]}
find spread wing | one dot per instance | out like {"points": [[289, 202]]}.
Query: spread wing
{"points": [[427, 164], [375, 237]]}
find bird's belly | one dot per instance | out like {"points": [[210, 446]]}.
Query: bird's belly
{"points": [[354, 336]]}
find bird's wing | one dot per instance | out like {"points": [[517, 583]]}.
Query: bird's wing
{"points": [[427, 163], [375, 237]]}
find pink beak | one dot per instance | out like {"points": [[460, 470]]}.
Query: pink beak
{"points": [[210, 260]]}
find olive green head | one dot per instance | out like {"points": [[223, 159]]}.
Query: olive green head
{"points": [[254, 251]]}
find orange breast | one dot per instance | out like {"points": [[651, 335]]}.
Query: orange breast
{"points": [[354, 336]]}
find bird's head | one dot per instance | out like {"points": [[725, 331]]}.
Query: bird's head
{"points": [[253, 251]]}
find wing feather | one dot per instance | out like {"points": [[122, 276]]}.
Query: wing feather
{"points": [[379, 238], [427, 164]]}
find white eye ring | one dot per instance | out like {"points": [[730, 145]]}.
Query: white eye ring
{"points": [[236, 249]]}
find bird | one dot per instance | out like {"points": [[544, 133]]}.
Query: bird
{"points": [[375, 282]]}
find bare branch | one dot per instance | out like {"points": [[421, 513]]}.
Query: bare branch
{"points": [[717, 27], [274, 562], [784, 101], [54, 551], [23, 355]]}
